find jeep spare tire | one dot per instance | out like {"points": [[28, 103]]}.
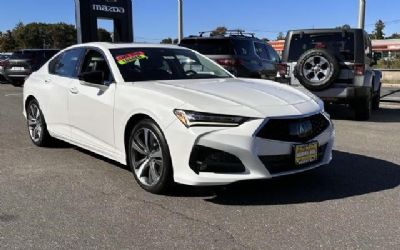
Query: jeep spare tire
{"points": [[317, 69]]}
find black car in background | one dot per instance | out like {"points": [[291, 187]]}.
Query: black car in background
{"points": [[241, 53], [3, 61], [23, 62]]}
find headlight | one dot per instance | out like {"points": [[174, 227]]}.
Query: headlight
{"points": [[192, 118]]}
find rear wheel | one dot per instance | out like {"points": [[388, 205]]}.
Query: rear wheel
{"points": [[149, 157], [363, 108], [37, 125], [376, 100]]}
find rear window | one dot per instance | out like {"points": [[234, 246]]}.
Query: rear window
{"points": [[209, 46], [340, 44], [22, 55], [39, 55]]}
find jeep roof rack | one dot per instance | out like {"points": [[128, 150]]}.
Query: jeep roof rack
{"points": [[236, 32]]}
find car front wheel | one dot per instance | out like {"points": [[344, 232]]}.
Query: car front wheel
{"points": [[149, 157]]}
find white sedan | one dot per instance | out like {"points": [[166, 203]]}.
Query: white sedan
{"points": [[173, 115]]}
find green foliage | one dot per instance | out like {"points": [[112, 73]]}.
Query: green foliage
{"points": [[388, 64], [345, 26], [167, 41], [43, 35], [38, 35], [394, 36], [281, 36], [378, 32], [7, 42], [103, 35], [219, 31]]}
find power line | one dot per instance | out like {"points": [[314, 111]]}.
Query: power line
{"points": [[396, 21]]}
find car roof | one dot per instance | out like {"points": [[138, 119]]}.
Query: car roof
{"points": [[108, 46], [325, 30], [231, 37]]}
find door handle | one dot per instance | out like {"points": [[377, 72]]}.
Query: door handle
{"points": [[74, 90], [47, 81]]}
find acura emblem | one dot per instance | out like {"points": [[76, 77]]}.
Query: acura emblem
{"points": [[301, 129]]}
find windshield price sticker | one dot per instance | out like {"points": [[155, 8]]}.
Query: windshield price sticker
{"points": [[131, 57]]}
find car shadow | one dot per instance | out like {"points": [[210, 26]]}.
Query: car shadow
{"points": [[348, 175], [342, 112]]}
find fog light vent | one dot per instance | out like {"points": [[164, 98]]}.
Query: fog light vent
{"points": [[204, 159]]}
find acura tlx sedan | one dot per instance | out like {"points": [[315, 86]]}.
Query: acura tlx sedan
{"points": [[173, 115]]}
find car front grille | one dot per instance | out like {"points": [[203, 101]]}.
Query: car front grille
{"points": [[282, 129], [276, 164]]}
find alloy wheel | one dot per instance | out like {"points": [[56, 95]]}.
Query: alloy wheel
{"points": [[316, 69], [35, 122], [147, 157]]}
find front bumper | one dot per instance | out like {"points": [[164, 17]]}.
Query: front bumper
{"points": [[240, 142]]}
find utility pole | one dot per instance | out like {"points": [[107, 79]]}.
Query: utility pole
{"points": [[361, 14], [180, 20]]}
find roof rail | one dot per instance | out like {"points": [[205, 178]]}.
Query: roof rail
{"points": [[237, 32]]}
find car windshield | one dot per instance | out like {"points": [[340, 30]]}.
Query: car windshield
{"points": [[151, 64], [338, 43]]}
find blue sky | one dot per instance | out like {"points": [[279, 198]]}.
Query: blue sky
{"points": [[156, 19]]}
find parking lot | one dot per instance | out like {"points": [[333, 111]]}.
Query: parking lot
{"points": [[66, 197]]}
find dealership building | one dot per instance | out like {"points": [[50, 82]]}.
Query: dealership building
{"points": [[388, 48]]}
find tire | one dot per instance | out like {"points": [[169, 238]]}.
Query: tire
{"points": [[37, 127], [17, 83], [317, 69], [363, 108], [376, 100], [150, 161]]}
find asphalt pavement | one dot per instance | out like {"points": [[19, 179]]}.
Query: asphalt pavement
{"points": [[67, 198]]}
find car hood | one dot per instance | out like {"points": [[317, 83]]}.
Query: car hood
{"points": [[235, 96]]}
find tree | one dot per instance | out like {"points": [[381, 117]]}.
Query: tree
{"points": [[394, 36], [281, 36], [378, 32], [62, 35], [7, 42], [167, 41], [219, 31], [345, 26], [103, 35]]}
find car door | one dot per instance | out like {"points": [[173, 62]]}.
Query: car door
{"points": [[62, 71], [91, 105]]}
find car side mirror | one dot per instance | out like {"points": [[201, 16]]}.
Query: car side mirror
{"points": [[95, 77]]}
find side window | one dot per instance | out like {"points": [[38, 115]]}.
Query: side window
{"points": [[262, 51], [53, 64], [66, 64], [95, 61], [273, 54]]}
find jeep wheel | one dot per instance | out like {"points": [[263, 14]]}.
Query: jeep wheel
{"points": [[376, 100], [317, 69], [363, 108]]}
